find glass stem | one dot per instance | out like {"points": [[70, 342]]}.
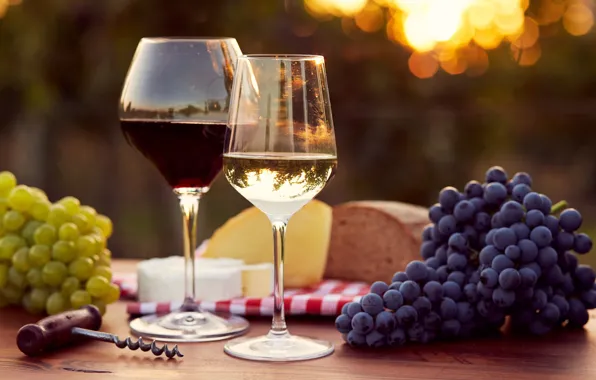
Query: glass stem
{"points": [[278, 326], [189, 204]]}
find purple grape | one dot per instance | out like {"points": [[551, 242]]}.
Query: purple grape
{"points": [[503, 298], [385, 322], [502, 262], [471, 293], [520, 191], [464, 211], [528, 277], [567, 286], [344, 308], [487, 254], [513, 252], [409, 290], [547, 257], [489, 240], [473, 189], [415, 332], [496, 221], [561, 303], [571, 260], [539, 300], [554, 275], [379, 287], [397, 337], [511, 212], [375, 339], [442, 273], [570, 220], [552, 223], [532, 201], [470, 234], [504, 237], [432, 321], [400, 276], [343, 324], [427, 232], [524, 294], [448, 309], [496, 174], [523, 178], [534, 218], [529, 250], [457, 261], [474, 277], [422, 305], [450, 328], [535, 267], [489, 277], [457, 277], [441, 254], [435, 213], [509, 187], [578, 315], [584, 276], [448, 198], [353, 308], [432, 263], [541, 236], [452, 290], [539, 327], [395, 285], [582, 243], [416, 271], [465, 312], [482, 221], [479, 203], [447, 225], [547, 204], [564, 241], [509, 279], [427, 249], [458, 242], [372, 303], [433, 291], [393, 299], [363, 323], [589, 299], [432, 274], [495, 193], [438, 236], [521, 230], [406, 315], [486, 307], [355, 339]]}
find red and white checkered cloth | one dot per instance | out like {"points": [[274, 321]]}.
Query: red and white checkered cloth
{"points": [[326, 298]]}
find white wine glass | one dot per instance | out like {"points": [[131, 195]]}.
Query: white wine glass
{"points": [[174, 111], [279, 154]]}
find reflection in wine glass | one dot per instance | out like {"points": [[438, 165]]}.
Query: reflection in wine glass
{"points": [[174, 111], [279, 154]]}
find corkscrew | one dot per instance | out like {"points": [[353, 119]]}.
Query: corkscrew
{"points": [[66, 328]]}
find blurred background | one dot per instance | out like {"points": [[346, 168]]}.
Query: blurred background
{"points": [[425, 93]]}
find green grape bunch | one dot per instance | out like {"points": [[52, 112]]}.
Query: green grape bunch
{"points": [[53, 256]]}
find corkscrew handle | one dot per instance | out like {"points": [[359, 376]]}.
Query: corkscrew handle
{"points": [[55, 331]]}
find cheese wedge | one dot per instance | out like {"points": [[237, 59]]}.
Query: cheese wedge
{"points": [[248, 237]]}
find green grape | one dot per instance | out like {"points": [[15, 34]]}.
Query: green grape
{"points": [[28, 304], [71, 204], [105, 258], [39, 297], [21, 198], [64, 251], [29, 230], [56, 303], [103, 271], [9, 245], [13, 220], [68, 231], [97, 286], [83, 222], [70, 285], [100, 304], [80, 298], [57, 215], [3, 205], [12, 294], [20, 260], [112, 295], [90, 213], [3, 275], [40, 210], [85, 246], [81, 268], [7, 182], [39, 194], [39, 255], [3, 301], [45, 234], [34, 278], [17, 278], [54, 272], [105, 224], [100, 243]]}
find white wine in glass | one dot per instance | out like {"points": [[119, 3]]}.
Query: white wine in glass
{"points": [[279, 154]]}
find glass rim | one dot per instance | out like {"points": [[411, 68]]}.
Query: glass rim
{"points": [[185, 39], [282, 57]]}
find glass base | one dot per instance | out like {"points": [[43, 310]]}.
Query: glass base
{"points": [[278, 348], [189, 326]]}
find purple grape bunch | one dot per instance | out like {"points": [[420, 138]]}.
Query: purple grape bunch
{"points": [[495, 251]]}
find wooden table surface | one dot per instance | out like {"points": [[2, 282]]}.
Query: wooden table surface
{"points": [[561, 355]]}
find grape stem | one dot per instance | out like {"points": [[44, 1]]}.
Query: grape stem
{"points": [[558, 207]]}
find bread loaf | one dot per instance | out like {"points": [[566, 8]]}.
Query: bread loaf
{"points": [[371, 240]]}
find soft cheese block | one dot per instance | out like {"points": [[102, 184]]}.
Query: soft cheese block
{"points": [[248, 237]]}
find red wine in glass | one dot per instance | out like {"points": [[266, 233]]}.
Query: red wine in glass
{"points": [[187, 154]]}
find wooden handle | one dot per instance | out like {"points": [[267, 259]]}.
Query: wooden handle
{"points": [[55, 331]]}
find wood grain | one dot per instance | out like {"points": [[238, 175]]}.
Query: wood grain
{"points": [[562, 355]]}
